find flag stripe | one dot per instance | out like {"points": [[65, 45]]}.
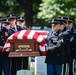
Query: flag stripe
{"points": [[31, 34], [35, 36], [42, 33], [20, 35], [40, 38], [27, 34], [15, 35]]}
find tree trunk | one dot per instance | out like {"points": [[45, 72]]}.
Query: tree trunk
{"points": [[27, 6], [29, 13]]}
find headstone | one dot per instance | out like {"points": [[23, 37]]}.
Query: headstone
{"points": [[31, 62], [24, 72], [40, 66]]}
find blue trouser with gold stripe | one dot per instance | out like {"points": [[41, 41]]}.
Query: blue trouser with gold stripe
{"points": [[69, 68]]}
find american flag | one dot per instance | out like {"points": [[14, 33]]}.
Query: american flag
{"points": [[39, 36]]}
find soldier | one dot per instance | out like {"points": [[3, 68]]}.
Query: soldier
{"points": [[21, 23], [4, 60], [6, 23], [70, 30], [0, 46], [67, 46], [13, 26], [72, 43], [55, 50], [16, 62]]}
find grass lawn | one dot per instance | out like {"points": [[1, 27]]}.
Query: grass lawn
{"points": [[32, 70]]}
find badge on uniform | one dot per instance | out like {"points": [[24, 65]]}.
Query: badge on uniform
{"points": [[55, 40], [61, 40], [6, 33]]}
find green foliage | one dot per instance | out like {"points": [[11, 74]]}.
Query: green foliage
{"points": [[42, 11], [21, 7], [54, 8], [9, 6], [32, 70]]}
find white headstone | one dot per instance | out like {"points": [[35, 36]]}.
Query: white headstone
{"points": [[40, 66], [24, 72]]}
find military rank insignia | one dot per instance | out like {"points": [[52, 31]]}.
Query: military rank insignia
{"points": [[61, 40], [55, 40]]}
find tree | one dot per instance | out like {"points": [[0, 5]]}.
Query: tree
{"points": [[28, 8], [54, 8], [7, 7]]}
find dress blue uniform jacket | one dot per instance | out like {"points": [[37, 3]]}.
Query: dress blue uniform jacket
{"points": [[12, 30], [73, 44], [3, 37], [72, 49], [57, 53], [67, 35]]}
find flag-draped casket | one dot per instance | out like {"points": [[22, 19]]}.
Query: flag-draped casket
{"points": [[26, 43]]}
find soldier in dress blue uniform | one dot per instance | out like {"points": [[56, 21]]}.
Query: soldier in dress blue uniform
{"points": [[4, 60], [55, 50], [13, 26], [70, 30], [0, 46], [21, 22], [68, 34], [16, 62], [72, 44]]}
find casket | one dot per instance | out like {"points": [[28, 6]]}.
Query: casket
{"points": [[25, 43], [24, 48]]}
